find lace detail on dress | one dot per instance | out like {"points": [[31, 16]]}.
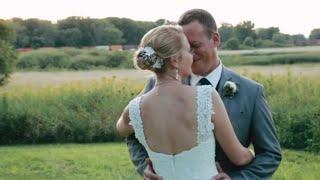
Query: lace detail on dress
{"points": [[136, 121], [204, 112], [197, 163]]}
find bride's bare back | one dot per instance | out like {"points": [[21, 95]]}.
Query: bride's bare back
{"points": [[169, 118]]}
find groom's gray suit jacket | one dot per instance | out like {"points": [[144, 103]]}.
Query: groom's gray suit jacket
{"points": [[252, 122]]}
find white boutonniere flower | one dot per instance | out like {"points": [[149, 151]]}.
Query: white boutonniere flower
{"points": [[230, 88]]}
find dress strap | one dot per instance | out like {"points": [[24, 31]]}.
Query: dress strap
{"points": [[204, 112], [136, 121]]}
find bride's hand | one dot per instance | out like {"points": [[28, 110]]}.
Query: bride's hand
{"points": [[149, 173]]}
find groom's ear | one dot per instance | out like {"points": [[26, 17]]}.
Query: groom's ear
{"points": [[216, 39]]}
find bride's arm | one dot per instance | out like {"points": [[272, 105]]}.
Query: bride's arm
{"points": [[226, 136], [123, 126]]}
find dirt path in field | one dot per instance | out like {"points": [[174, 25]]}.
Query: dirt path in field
{"points": [[57, 78]]}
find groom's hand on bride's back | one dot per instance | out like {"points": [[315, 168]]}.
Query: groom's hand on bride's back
{"points": [[149, 173]]}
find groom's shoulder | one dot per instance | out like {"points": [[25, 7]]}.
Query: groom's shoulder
{"points": [[243, 80], [149, 85]]}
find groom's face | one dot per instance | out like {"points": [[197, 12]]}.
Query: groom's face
{"points": [[203, 47]]}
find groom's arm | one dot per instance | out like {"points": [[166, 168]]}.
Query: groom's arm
{"points": [[137, 152], [265, 142]]}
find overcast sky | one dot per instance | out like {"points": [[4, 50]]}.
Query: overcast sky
{"points": [[291, 17]]}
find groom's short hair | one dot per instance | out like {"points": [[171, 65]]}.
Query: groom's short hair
{"points": [[202, 16]]}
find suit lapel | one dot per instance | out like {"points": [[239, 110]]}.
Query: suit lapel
{"points": [[225, 76]]}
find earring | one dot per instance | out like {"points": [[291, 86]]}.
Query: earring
{"points": [[177, 74]]}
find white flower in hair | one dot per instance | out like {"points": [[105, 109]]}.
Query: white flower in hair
{"points": [[149, 51], [150, 58], [158, 64]]}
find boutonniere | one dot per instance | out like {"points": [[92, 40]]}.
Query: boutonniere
{"points": [[230, 88]]}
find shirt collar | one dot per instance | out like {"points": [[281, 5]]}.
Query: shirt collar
{"points": [[213, 77]]}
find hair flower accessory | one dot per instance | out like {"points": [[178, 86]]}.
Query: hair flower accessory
{"points": [[229, 89], [150, 59]]}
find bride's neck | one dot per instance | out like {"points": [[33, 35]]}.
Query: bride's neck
{"points": [[169, 77]]}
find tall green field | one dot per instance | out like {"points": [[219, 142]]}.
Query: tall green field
{"points": [[79, 112]]}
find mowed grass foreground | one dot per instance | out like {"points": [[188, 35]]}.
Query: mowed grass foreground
{"points": [[67, 161], [111, 161]]}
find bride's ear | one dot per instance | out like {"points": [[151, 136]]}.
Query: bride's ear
{"points": [[173, 62]]}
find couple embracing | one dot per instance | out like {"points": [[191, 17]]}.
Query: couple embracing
{"points": [[196, 118]]}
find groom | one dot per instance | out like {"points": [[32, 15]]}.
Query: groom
{"points": [[245, 104]]}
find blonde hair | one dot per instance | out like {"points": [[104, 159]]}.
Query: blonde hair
{"points": [[165, 40]]}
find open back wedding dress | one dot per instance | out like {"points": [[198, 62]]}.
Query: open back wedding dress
{"points": [[193, 164]]}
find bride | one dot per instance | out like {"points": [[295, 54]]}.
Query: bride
{"points": [[177, 123]]}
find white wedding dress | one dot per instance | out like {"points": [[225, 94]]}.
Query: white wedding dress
{"points": [[196, 163]]}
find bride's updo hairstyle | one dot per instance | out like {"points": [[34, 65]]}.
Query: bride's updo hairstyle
{"points": [[157, 47]]}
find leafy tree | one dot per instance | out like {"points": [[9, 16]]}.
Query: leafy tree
{"points": [[87, 29], [68, 23], [315, 34], [243, 30], [33, 32], [299, 40], [160, 22], [132, 30], [107, 34], [7, 52], [267, 33], [249, 42], [232, 44], [114, 36], [85, 25], [69, 37], [226, 31], [280, 38], [22, 39], [41, 33]]}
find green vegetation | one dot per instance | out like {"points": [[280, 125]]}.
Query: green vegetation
{"points": [[71, 113], [83, 59], [88, 113], [73, 59], [7, 52], [69, 161], [111, 161], [83, 32], [271, 58]]}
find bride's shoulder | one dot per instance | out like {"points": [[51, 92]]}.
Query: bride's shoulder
{"points": [[135, 100], [189, 89]]}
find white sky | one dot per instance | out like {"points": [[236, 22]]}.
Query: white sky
{"points": [[291, 17]]}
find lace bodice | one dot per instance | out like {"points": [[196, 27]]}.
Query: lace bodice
{"points": [[195, 163]]}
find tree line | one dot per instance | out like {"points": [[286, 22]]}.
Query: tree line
{"points": [[78, 32], [84, 31], [245, 36]]}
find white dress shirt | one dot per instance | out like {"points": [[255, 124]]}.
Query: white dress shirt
{"points": [[213, 77]]}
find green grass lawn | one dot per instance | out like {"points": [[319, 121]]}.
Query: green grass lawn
{"points": [[111, 161]]}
